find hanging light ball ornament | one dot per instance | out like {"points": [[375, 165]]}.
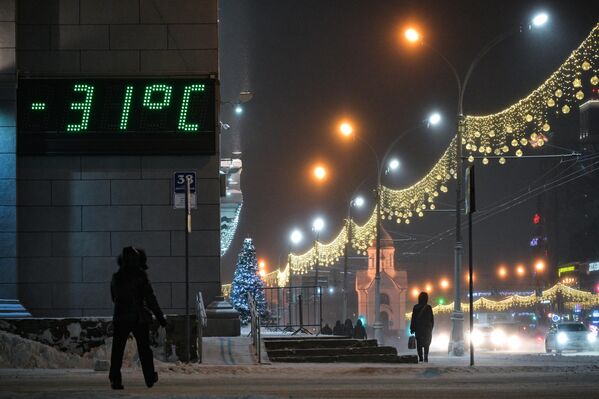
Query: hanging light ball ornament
{"points": [[528, 118], [485, 161], [551, 102], [577, 83], [470, 159], [519, 153], [586, 66], [502, 161], [533, 137], [566, 109], [594, 80], [514, 143], [546, 127], [523, 141], [579, 95], [509, 129], [505, 148], [559, 93]]}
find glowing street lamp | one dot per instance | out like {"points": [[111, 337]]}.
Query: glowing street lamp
{"points": [[520, 270], [540, 266], [238, 109], [540, 19], [428, 288], [434, 119], [359, 202], [296, 236], [394, 164], [346, 129], [412, 35], [502, 272], [318, 225], [444, 283], [320, 172], [415, 292]]}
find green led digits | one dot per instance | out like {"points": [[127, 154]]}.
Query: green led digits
{"points": [[38, 106], [166, 96], [126, 108], [85, 108], [183, 125]]}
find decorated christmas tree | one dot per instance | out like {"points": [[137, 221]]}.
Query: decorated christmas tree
{"points": [[246, 280]]}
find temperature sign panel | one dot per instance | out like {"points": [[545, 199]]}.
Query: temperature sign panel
{"points": [[120, 116]]}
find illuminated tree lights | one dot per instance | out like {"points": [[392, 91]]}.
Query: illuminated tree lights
{"points": [[247, 281], [521, 125]]}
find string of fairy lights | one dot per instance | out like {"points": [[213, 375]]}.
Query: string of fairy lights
{"points": [[569, 296], [523, 125]]}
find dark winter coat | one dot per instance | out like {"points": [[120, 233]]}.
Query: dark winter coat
{"points": [[348, 328], [326, 330], [422, 322], [338, 329], [133, 295], [359, 330]]}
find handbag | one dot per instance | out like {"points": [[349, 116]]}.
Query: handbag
{"points": [[412, 342]]}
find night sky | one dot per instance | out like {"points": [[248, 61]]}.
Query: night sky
{"points": [[311, 63]]}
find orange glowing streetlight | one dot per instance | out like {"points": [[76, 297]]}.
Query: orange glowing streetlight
{"points": [[261, 263], [412, 35], [502, 272], [539, 266], [320, 172], [346, 129], [428, 288], [520, 270], [415, 292], [444, 283]]}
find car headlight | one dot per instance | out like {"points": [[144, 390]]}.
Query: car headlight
{"points": [[591, 337], [477, 338], [562, 338], [515, 342], [498, 337]]}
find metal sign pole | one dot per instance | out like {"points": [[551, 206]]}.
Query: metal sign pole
{"points": [[187, 231]]}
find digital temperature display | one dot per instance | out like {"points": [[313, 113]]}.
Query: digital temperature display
{"points": [[121, 116]]}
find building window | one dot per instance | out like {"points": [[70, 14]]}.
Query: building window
{"points": [[385, 299]]}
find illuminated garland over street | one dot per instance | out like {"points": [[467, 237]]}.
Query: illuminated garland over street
{"points": [[526, 122], [522, 124], [569, 296]]}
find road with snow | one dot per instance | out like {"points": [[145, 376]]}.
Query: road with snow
{"points": [[496, 375]]}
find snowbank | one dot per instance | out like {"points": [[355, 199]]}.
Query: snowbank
{"points": [[17, 352]]}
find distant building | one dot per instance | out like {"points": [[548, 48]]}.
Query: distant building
{"points": [[394, 284]]}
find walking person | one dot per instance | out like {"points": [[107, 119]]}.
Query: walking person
{"points": [[422, 324], [132, 295], [359, 330]]}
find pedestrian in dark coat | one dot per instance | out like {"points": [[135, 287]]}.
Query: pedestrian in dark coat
{"points": [[338, 329], [359, 330], [326, 330], [133, 299], [348, 328], [422, 324]]}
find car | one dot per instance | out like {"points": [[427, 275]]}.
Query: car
{"points": [[571, 335]]}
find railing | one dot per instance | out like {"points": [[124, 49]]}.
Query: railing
{"points": [[255, 327], [202, 321], [294, 309]]}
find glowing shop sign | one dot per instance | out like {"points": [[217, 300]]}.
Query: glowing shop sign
{"points": [[593, 266], [565, 269]]}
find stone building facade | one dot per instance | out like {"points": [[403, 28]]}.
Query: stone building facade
{"points": [[65, 218]]}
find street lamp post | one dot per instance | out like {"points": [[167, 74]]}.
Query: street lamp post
{"points": [[317, 227], [456, 344], [357, 202], [296, 237], [347, 130]]}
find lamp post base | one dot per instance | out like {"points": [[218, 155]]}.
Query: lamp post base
{"points": [[378, 332], [456, 343]]}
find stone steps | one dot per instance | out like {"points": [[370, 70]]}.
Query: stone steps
{"points": [[331, 350]]}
